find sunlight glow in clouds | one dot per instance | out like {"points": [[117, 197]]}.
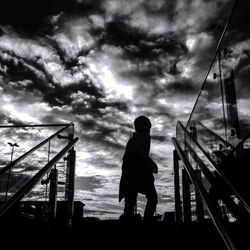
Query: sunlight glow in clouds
{"points": [[191, 41], [15, 112], [111, 85]]}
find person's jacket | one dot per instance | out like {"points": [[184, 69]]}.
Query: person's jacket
{"points": [[138, 167]]}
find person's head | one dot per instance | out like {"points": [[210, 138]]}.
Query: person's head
{"points": [[142, 124]]}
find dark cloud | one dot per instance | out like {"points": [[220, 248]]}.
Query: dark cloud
{"points": [[60, 96], [19, 69], [160, 138], [29, 16], [164, 8], [239, 25], [139, 44], [183, 86]]}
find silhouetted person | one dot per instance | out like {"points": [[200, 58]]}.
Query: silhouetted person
{"points": [[137, 171]]}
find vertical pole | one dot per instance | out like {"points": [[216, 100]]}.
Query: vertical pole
{"points": [[70, 185], [186, 197], [199, 204], [177, 188], [12, 152], [231, 103], [53, 193], [8, 179]]}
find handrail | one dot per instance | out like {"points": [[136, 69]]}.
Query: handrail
{"points": [[221, 174], [32, 182], [13, 163], [215, 135], [205, 198]]}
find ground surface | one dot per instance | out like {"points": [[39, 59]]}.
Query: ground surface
{"points": [[109, 234]]}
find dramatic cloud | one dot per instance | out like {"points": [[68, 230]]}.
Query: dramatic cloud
{"points": [[100, 64]]}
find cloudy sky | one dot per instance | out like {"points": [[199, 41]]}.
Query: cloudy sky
{"points": [[100, 64]]}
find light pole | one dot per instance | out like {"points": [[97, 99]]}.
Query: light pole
{"points": [[13, 145]]}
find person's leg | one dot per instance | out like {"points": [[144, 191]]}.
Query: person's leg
{"points": [[130, 202], [152, 201]]}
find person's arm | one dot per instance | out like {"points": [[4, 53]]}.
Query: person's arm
{"points": [[150, 163]]}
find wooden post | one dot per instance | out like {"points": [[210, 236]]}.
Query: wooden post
{"points": [[177, 199], [186, 197]]}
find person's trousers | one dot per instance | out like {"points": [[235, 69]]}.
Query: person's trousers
{"points": [[152, 200]]}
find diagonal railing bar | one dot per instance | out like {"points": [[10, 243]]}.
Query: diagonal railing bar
{"points": [[13, 163]]}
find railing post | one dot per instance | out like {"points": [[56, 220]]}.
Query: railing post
{"points": [[53, 193], [199, 204], [186, 197], [70, 185], [177, 188]]}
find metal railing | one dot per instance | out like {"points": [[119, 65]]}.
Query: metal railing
{"points": [[44, 165], [216, 137], [222, 192], [222, 230], [222, 178]]}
